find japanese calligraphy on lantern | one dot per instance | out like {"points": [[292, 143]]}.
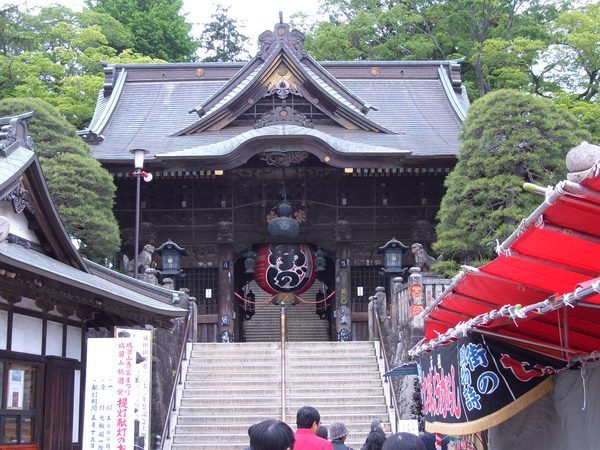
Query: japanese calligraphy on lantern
{"points": [[473, 378], [142, 382]]}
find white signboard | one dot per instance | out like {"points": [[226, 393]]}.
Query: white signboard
{"points": [[109, 415], [142, 383], [16, 382], [408, 426]]}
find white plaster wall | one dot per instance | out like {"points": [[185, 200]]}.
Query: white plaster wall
{"points": [[18, 222]]}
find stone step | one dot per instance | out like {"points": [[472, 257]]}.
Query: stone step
{"points": [[210, 438], [273, 410], [333, 345], [292, 399], [244, 362], [228, 387], [318, 400], [325, 366], [227, 428], [219, 384], [334, 375], [229, 401], [200, 375], [236, 393], [326, 392], [356, 419]]}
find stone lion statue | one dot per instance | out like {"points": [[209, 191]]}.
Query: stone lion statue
{"points": [[144, 260], [422, 259]]}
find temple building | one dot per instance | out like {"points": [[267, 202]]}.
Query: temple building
{"points": [[52, 301], [282, 169]]}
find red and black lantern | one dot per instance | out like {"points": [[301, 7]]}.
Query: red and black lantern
{"points": [[285, 268]]}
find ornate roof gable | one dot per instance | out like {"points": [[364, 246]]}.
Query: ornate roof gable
{"points": [[282, 84]]}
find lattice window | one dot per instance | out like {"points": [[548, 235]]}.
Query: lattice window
{"points": [[204, 285], [269, 103], [363, 281]]}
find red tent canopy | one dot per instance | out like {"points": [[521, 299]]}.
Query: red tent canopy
{"points": [[543, 290]]}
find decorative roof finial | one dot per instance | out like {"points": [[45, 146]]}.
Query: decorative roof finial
{"points": [[281, 17]]}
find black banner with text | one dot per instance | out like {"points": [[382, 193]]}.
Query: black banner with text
{"points": [[476, 383]]}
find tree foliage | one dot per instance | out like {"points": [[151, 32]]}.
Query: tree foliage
{"points": [[57, 55], [82, 190], [221, 39], [509, 137], [575, 55], [372, 30], [158, 28], [501, 41]]}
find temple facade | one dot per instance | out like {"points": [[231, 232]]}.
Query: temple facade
{"points": [[281, 170]]}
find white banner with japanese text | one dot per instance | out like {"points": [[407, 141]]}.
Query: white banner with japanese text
{"points": [[142, 383], [117, 391]]}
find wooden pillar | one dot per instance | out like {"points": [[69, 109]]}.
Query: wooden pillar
{"points": [[343, 302], [225, 301]]}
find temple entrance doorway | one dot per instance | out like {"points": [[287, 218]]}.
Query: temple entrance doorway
{"points": [[307, 318]]}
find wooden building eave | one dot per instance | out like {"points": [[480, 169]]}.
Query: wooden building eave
{"points": [[239, 149], [29, 261]]}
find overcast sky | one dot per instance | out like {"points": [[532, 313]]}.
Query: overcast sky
{"points": [[255, 16]]}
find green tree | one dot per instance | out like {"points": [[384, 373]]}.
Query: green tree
{"points": [[509, 137], [221, 39], [500, 39], [159, 29], [82, 190], [576, 54], [372, 30], [58, 57]]}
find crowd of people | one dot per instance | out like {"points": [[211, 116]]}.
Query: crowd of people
{"points": [[274, 434]]}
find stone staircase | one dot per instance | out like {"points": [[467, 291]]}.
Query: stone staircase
{"points": [[228, 387], [303, 324], [340, 379]]}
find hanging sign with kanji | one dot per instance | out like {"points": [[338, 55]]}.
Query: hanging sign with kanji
{"points": [[476, 383], [109, 414], [141, 388]]}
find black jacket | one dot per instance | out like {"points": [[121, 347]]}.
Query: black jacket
{"points": [[339, 445]]}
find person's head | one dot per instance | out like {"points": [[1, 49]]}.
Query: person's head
{"points": [[338, 431], [271, 434], [322, 431], [308, 417], [404, 441], [376, 425], [374, 440]]}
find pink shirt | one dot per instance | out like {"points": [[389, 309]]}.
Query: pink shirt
{"points": [[307, 440]]}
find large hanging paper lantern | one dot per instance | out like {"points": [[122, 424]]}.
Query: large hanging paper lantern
{"points": [[287, 268]]}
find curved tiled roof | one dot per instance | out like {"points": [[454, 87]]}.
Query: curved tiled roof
{"points": [[414, 107], [231, 144]]}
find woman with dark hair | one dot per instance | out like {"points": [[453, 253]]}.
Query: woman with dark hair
{"points": [[404, 441], [272, 434], [374, 441], [376, 437]]}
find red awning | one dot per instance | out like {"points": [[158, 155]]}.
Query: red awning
{"points": [[543, 290]]}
